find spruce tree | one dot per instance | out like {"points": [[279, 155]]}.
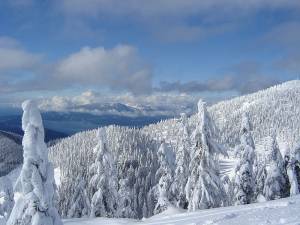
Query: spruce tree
{"points": [[244, 179], [80, 203], [6, 197], [164, 177], [182, 161], [276, 184], [291, 165], [36, 206], [204, 188], [103, 183]]}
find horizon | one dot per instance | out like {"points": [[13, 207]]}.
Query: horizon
{"points": [[136, 112], [68, 53]]}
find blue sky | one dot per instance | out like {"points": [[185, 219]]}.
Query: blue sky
{"points": [[117, 48]]}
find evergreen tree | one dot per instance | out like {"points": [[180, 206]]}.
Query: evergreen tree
{"points": [[291, 165], [164, 177], [244, 180], [276, 184], [36, 206], [103, 183], [125, 199], [6, 197], [182, 161], [204, 188], [80, 204]]}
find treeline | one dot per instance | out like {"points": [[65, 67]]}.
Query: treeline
{"points": [[123, 172]]}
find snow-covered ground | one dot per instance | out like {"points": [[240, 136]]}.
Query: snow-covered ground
{"points": [[283, 211]]}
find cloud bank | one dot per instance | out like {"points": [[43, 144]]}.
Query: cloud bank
{"points": [[117, 69]]}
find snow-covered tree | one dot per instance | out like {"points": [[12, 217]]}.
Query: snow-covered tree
{"points": [[36, 205], [276, 184], [244, 179], [182, 161], [296, 155], [125, 199], [103, 183], [80, 203], [291, 165], [204, 188], [6, 197], [164, 177], [229, 188]]}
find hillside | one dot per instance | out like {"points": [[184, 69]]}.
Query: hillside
{"points": [[11, 153], [274, 110], [135, 150]]}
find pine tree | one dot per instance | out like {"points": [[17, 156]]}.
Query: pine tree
{"points": [[6, 197], [296, 156], [103, 183], [244, 180], [164, 177], [125, 199], [36, 206], [80, 204], [204, 188], [182, 161], [276, 185], [291, 165]]}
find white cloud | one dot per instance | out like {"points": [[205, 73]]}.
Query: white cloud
{"points": [[168, 104], [170, 20], [174, 8], [13, 57], [118, 68]]}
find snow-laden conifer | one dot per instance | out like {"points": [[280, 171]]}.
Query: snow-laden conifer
{"points": [[204, 188], [80, 203], [291, 165], [164, 177], [6, 197], [177, 189], [36, 205], [103, 183], [244, 179], [276, 184], [125, 199]]}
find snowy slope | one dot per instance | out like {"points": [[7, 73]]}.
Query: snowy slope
{"points": [[273, 110], [283, 211], [10, 152]]}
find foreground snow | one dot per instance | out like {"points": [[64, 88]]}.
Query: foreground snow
{"points": [[283, 211]]}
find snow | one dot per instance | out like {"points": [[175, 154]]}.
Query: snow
{"points": [[283, 211], [36, 204], [57, 176]]}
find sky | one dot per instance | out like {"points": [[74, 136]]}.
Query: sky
{"points": [[140, 52]]}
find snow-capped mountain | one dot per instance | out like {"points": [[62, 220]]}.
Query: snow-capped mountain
{"points": [[11, 153]]}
